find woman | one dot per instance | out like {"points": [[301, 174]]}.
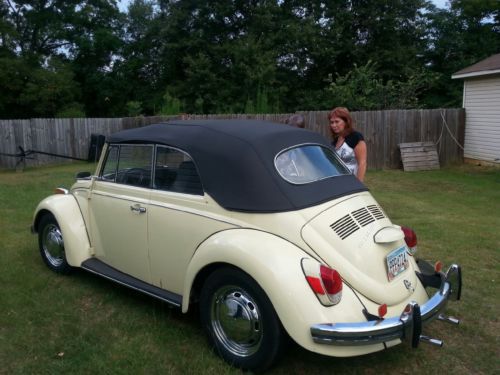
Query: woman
{"points": [[348, 143]]}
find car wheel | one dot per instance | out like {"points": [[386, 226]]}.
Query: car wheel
{"points": [[51, 243], [240, 321]]}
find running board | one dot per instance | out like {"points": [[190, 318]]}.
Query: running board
{"points": [[100, 268]]}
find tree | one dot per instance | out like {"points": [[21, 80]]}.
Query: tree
{"points": [[170, 106], [465, 33], [363, 89], [218, 54], [80, 37], [96, 43], [134, 108], [47, 91], [137, 73], [60, 57]]}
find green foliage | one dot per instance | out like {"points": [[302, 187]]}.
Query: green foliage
{"points": [[457, 37], [13, 73], [32, 91], [62, 52], [134, 108], [362, 89], [170, 106], [358, 89], [198, 105], [72, 110], [47, 90], [249, 107], [261, 103], [200, 87], [222, 56]]}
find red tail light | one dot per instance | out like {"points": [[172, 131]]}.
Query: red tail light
{"points": [[325, 282], [331, 280], [410, 239], [382, 310], [315, 285]]}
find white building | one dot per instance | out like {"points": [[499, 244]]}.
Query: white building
{"points": [[482, 110]]}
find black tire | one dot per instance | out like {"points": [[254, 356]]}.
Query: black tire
{"points": [[240, 321], [51, 244]]}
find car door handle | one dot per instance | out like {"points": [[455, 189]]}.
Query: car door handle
{"points": [[137, 208]]}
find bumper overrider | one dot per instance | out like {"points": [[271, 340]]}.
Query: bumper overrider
{"points": [[407, 326]]}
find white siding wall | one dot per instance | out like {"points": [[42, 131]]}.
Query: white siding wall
{"points": [[482, 118]]}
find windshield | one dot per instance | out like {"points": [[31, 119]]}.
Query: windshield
{"points": [[308, 163]]}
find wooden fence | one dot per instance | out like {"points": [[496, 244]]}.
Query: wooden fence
{"points": [[383, 131]]}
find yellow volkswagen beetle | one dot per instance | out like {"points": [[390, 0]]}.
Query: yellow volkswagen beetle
{"points": [[262, 225]]}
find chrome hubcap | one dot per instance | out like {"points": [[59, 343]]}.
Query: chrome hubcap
{"points": [[236, 321], [53, 245]]}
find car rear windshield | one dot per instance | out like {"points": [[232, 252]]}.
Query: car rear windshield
{"points": [[308, 163]]}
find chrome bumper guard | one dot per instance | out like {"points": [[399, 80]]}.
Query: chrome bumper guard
{"points": [[406, 327]]}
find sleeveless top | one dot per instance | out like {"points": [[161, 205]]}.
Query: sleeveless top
{"points": [[346, 150]]}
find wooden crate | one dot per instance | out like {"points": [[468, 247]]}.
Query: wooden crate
{"points": [[419, 156]]}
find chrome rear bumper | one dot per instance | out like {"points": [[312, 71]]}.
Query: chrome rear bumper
{"points": [[406, 327]]}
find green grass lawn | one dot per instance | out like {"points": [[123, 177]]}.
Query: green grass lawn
{"points": [[52, 324]]}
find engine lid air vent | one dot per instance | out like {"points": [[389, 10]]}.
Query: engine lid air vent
{"points": [[350, 223], [363, 216], [345, 226], [376, 211]]}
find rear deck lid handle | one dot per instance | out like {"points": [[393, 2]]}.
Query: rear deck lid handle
{"points": [[389, 234]]}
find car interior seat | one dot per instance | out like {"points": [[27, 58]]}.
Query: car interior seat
{"points": [[187, 180]]}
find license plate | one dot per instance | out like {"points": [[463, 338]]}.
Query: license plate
{"points": [[397, 262]]}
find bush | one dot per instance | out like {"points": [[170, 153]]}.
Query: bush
{"points": [[361, 89], [73, 110], [134, 108]]}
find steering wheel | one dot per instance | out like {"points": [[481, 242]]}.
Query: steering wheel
{"points": [[135, 176]]}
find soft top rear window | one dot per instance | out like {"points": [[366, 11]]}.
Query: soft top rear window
{"points": [[308, 163]]}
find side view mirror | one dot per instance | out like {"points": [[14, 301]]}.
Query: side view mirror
{"points": [[83, 175]]}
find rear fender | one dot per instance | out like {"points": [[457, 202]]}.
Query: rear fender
{"points": [[275, 264], [69, 217]]}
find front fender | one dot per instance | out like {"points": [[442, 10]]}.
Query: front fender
{"points": [[69, 217], [275, 264]]}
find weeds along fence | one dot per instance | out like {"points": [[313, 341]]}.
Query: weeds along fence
{"points": [[383, 131]]}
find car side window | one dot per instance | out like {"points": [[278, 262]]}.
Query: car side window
{"points": [[129, 165], [175, 171], [134, 165], [109, 170]]}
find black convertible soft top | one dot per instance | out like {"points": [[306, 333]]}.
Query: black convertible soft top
{"points": [[235, 160]]}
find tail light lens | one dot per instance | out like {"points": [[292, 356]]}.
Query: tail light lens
{"points": [[410, 239], [382, 310], [324, 281]]}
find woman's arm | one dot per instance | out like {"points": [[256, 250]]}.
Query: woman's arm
{"points": [[360, 153]]}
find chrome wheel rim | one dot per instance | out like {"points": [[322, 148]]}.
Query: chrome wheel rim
{"points": [[53, 245], [236, 321]]}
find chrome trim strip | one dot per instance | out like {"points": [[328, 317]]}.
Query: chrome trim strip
{"points": [[122, 197]]}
